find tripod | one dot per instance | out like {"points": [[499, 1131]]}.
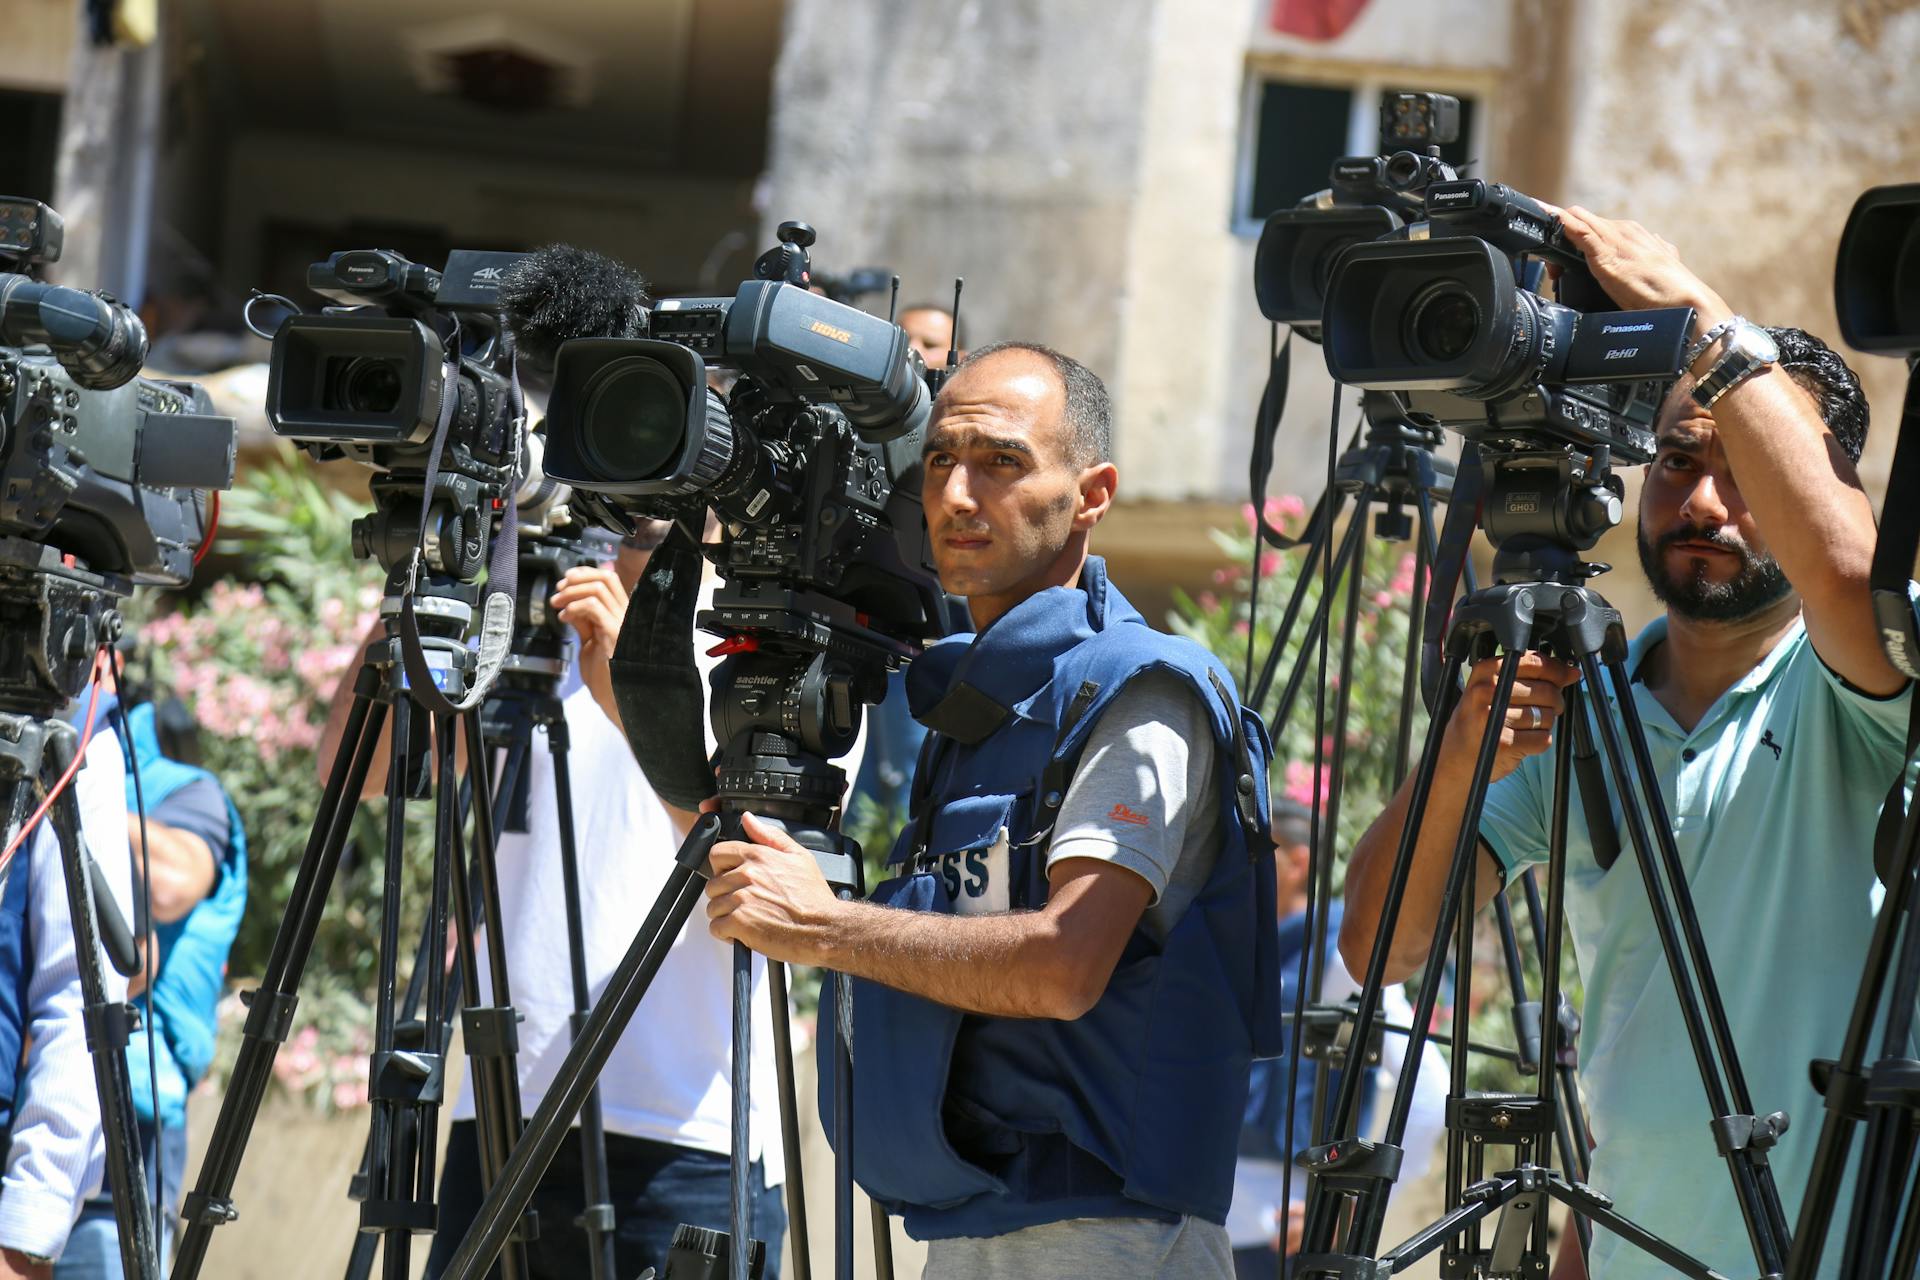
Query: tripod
{"points": [[1542, 508], [407, 1075], [1390, 467], [783, 656], [54, 618]]}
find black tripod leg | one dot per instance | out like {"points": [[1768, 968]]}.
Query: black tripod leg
{"points": [[1633, 775], [1570, 1123], [108, 1027], [842, 1127], [1845, 1092], [489, 1031], [1416, 624], [270, 1009], [789, 1121], [1549, 932], [1296, 679], [509, 1195], [392, 1207], [739, 1187], [1347, 1220], [1352, 562], [1326, 513], [597, 1218]]}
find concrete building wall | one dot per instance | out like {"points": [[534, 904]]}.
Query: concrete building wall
{"points": [[1743, 133], [996, 141], [38, 49]]}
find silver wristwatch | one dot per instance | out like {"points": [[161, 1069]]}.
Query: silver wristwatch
{"points": [[1711, 336], [1749, 350]]}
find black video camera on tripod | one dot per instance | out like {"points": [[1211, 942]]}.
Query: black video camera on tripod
{"points": [[414, 376], [1421, 288], [810, 466], [105, 482]]}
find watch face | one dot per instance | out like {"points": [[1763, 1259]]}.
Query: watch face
{"points": [[1759, 344]]}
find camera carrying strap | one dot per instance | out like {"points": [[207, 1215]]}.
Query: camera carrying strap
{"points": [[1899, 541], [1449, 562], [1273, 402], [503, 566]]}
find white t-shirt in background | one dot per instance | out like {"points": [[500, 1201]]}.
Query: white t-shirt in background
{"points": [[669, 1077]]}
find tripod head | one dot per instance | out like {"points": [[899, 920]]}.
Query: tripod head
{"points": [[789, 698]]}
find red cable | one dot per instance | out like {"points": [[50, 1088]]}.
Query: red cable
{"points": [[213, 526], [6, 856]]}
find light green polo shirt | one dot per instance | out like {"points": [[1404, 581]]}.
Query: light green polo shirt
{"points": [[1774, 797]]}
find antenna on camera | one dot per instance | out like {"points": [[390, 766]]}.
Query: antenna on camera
{"points": [[953, 338], [893, 301]]}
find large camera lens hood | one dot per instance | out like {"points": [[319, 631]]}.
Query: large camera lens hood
{"points": [[1876, 274], [1375, 288]]}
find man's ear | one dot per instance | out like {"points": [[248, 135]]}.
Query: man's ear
{"points": [[1097, 486]]}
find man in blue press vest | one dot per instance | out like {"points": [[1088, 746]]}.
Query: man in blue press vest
{"points": [[1057, 998], [196, 860]]}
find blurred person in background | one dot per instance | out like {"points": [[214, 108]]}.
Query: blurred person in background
{"points": [[193, 852]]}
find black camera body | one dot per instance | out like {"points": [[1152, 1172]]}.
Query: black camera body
{"points": [[368, 380], [811, 463], [1876, 277], [95, 461], [1439, 315]]}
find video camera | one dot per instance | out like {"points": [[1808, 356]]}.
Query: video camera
{"points": [[803, 463], [370, 380], [96, 461], [1876, 294], [1425, 284]]}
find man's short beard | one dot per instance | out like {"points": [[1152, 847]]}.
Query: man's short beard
{"points": [[1758, 585]]}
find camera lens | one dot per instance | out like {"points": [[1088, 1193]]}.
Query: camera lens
{"points": [[635, 419], [1443, 321], [369, 385]]}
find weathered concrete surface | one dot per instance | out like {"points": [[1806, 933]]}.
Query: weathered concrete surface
{"points": [[995, 141]]}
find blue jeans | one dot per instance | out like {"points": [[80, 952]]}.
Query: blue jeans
{"points": [[93, 1250], [656, 1186]]}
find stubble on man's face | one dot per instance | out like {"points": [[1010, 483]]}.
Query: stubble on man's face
{"points": [[999, 488]]}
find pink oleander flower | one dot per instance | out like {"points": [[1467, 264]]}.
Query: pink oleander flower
{"points": [[1299, 783], [1208, 601], [1402, 584], [1269, 563], [1384, 599]]}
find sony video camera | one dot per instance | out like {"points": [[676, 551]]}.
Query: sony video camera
{"points": [[95, 461], [371, 379], [811, 463]]}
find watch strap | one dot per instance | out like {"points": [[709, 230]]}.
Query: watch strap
{"points": [[1738, 363], [1707, 340]]}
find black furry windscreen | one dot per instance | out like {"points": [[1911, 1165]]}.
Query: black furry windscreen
{"points": [[561, 292]]}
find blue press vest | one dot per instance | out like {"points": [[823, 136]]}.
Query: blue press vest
{"points": [[974, 1126], [193, 949], [16, 972]]}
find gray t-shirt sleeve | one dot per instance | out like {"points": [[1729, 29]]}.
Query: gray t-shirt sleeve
{"points": [[1143, 796], [199, 808]]}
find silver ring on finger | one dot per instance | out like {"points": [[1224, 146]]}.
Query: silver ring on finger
{"points": [[1539, 717]]}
